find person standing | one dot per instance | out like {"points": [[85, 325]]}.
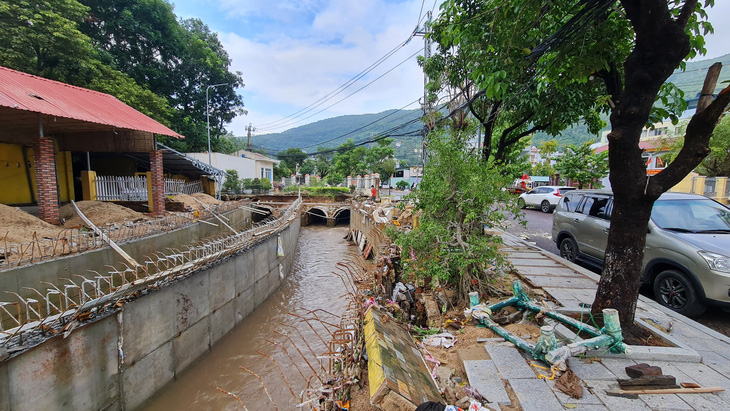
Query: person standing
{"points": [[374, 192]]}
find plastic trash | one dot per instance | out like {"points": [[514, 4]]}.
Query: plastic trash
{"points": [[446, 340]]}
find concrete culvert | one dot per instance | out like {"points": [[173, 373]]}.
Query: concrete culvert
{"points": [[258, 217], [316, 216], [342, 217]]}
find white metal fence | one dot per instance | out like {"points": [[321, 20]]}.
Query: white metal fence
{"points": [[115, 188]]}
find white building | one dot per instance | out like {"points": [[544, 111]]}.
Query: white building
{"points": [[248, 164]]}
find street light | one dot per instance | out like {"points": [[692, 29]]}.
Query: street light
{"points": [[207, 117]]}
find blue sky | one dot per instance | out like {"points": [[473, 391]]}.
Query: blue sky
{"points": [[294, 52]]}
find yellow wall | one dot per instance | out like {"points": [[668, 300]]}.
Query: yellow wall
{"points": [[14, 180]]}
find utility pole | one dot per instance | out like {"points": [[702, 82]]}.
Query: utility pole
{"points": [[250, 129], [426, 105]]}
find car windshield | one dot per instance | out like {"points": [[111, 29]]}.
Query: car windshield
{"points": [[693, 216]]}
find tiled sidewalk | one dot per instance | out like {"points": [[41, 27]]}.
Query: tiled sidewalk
{"points": [[702, 356]]}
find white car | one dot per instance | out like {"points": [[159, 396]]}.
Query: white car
{"points": [[545, 197]]}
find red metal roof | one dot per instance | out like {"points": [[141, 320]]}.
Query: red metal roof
{"points": [[24, 91], [646, 145]]}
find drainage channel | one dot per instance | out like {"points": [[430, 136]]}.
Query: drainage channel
{"points": [[274, 342]]}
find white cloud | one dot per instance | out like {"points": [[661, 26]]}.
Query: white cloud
{"points": [[286, 73]]}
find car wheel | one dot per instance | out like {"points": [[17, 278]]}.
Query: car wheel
{"points": [[545, 206], [569, 249], [673, 290], [521, 203]]}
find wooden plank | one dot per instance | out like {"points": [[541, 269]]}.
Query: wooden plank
{"points": [[668, 391]]}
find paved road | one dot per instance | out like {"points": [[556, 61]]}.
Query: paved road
{"points": [[539, 227]]}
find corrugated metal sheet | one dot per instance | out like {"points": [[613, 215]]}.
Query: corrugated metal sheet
{"points": [[23, 91]]}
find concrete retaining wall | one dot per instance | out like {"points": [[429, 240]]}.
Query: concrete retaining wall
{"points": [[120, 361], [52, 271]]}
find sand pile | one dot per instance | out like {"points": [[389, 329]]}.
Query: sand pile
{"points": [[100, 213], [19, 226], [189, 200]]}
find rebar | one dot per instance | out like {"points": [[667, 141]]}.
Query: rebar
{"points": [[262, 385]]}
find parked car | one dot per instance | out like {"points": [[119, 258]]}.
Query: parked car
{"points": [[687, 253], [545, 197]]}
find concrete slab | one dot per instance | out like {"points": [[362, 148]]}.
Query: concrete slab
{"points": [[222, 284], [5, 399], [245, 271], [191, 300], [716, 361], [75, 373], [148, 375], [537, 262], [222, 321], [708, 402], [245, 304], [525, 254], [707, 377], [587, 399], [509, 362], [618, 366], [643, 353], [590, 371], [665, 402], [158, 327], [535, 395], [599, 387], [562, 282], [483, 376], [556, 271], [189, 345]]}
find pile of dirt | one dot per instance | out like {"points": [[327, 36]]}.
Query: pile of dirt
{"points": [[17, 226], [100, 213], [189, 200]]}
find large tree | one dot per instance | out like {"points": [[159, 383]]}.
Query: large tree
{"points": [[582, 165], [559, 61]]}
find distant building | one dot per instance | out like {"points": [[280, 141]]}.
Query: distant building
{"points": [[248, 164]]}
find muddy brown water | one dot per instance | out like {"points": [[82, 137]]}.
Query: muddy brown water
{"points": [[310, 286]]}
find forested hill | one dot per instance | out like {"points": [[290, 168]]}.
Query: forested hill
{"points": [[332, 132]]}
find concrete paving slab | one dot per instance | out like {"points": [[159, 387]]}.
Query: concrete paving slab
{"points": [[526, 254], [599, 388], [509, 362], [618, 366], [538, 262], [562, 282], [535, 395], [483, 376], [588, 397], [557, 271], [668, 402], [643, 353], [709, 402], [716, 361], [707, 377], [590, 371]]}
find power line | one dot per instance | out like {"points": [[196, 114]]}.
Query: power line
{"points": [[351, 94], [341, 88]]}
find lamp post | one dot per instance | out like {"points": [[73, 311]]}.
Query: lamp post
{"points": [[207, 118]]}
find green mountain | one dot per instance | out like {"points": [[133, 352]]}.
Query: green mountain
{"points": [[332, 132]]}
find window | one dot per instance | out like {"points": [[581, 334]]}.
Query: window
{"points": [[599, 208]]}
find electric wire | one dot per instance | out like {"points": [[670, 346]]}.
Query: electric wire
{"points": [[290, 123]]}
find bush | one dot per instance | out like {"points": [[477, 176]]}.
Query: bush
{"points": [[402, 185]]}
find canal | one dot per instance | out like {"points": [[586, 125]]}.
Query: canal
{"points": [[311, 290]]}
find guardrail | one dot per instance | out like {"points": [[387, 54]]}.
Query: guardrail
{"points": [[83, 296], [134, 188]]}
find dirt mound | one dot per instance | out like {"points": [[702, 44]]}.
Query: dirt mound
{"points": [[100, 213], [189, 200], [19, 226]]}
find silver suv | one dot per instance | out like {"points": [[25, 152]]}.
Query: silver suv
{"points": [[687, 254]]}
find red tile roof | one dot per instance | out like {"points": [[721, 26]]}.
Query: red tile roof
{"points": [[23, 91]]}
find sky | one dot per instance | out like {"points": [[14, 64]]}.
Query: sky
{"points": [[294, 52]]}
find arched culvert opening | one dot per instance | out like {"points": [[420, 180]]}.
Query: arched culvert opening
{"points": [[261, 214], [317, 217], [342, 217]]}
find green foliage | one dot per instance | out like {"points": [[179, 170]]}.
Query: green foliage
{"points": [[319, 191], [402, 184], [581, 164], [231, 182], [458, 196], [717, 163], [256, 184], [291, 158]]}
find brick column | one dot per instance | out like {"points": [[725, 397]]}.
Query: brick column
{"points": [[158, 183], [45, 177]]}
